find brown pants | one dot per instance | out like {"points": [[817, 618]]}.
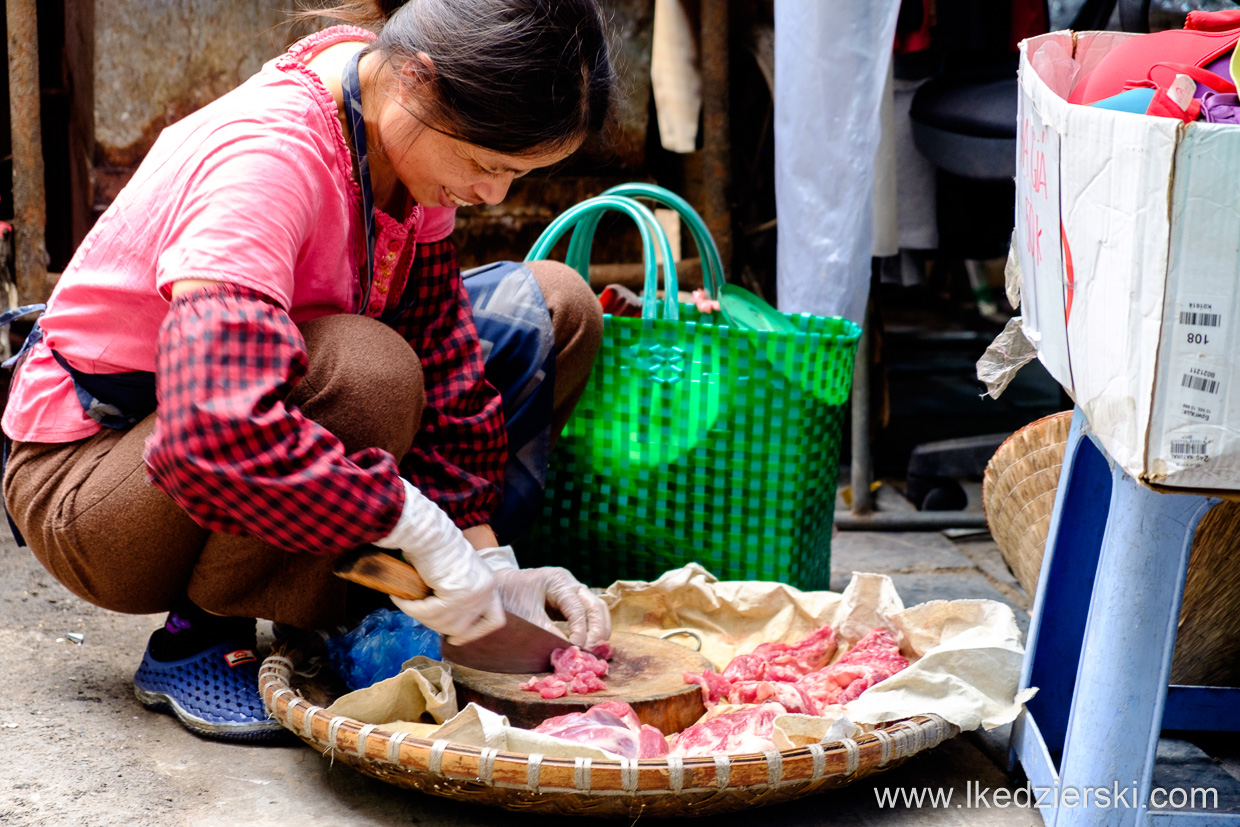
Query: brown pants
{"points": [[95, 522]]}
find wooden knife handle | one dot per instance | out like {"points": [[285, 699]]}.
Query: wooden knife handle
{"points": [[376, 570]]}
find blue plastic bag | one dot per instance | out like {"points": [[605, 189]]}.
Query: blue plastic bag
{"points": [[376, 648]]}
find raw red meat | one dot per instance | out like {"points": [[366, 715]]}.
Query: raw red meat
{"points": [[878, 645], [839, 684], [610, 725], [745, 730], [583, 683], [714, 686], [749, 667], [549, 686], [768, 662], [653, 743], [795, 677], [876, 657], [784, 662], [789, 695], [571, 662], [575, 671]]}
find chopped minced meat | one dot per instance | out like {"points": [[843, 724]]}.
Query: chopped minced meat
{"points": [[575, 671]]}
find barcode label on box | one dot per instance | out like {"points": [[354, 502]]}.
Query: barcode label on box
{"points": [[1189, 448], [1200, 318], [1199, 383], [1201, 398], [1199, 327]]}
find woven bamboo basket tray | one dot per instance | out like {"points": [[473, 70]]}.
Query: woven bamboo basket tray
{"points": [[1018, 493], [1018, 496], [582, 786], [1207, 643]]}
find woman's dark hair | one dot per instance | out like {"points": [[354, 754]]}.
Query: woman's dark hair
{"points": [[513, 76]]}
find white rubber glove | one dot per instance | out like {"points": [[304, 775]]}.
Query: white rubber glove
{"points": [[527, 593], [465, 604]]}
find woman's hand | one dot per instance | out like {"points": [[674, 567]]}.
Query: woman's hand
{"points": [[528, 592], [465, 604]]}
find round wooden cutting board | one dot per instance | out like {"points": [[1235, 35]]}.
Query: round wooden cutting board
{"points": [[644, 673]]}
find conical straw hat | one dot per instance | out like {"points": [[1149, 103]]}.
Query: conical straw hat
{"points": [[1018, 493]]}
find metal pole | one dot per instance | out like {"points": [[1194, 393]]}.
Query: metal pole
{"points": [[861, 465], [909, 520], [29, 198], [863, 515]]}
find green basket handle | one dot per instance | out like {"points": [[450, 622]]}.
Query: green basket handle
{"points": [[712, 264], [578, 256], [590, 210]]}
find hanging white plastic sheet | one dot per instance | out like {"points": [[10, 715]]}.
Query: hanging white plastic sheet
{"points": [[831, 59]]}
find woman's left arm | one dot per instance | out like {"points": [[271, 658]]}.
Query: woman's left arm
{"points": [[481, 536], [459, 452]]}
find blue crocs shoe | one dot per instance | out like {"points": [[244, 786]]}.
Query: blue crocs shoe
{"points": [[213, 693]]}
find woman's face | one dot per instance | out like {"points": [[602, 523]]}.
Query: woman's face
{"points": [[441, 171]]}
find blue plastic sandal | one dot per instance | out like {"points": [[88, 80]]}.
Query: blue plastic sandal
{"points": [[213, 693]]}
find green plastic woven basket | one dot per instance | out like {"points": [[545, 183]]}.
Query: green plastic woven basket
{"points": [[694, 440]]}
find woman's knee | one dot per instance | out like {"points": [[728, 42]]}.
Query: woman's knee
{"points": [[364, 383], [577, 321], [576, 315]]}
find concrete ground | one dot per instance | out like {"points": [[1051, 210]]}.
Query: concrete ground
{"points": [[79, 749]]}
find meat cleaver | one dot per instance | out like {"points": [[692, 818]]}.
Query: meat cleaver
{"points": [[516, 647]]}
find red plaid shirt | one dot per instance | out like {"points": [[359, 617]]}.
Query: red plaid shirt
{"points": [[229, 451], [458, 454]]}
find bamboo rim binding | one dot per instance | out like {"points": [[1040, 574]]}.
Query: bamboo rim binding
{"points": [[696, 785]]}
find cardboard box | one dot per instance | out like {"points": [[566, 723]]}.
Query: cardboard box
{"points": [[1128, 238]]}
